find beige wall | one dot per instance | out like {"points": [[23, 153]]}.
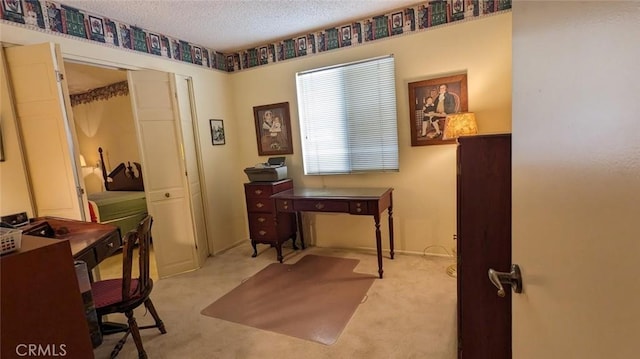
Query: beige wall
{"points": [[425, 187], [108, 124], [424, 196], [212, 100]]}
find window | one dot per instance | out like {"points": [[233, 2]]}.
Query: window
{"points": [[348, 121]]}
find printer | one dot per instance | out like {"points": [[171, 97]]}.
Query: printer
{"points": [[273, 170]]}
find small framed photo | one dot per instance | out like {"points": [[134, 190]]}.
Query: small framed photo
{"points": [[430, 101], [217, 132], [273, 129]]}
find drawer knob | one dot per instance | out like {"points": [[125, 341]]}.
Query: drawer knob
{"points": [[167, 194], [358, 210], [259, 205], [258, 192], [261, 219], [110, 244], [358, 204], [319, 206], [285, 207], [262, 233]]}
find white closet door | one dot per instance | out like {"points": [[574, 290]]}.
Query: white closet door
{"points": [[46, 129], [157, 121], [191, 163]]}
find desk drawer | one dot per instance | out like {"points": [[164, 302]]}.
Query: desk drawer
{"points": [[260, 205], [359, 207], [106, 248], [322, 206], [88, 257], [263, 232], [284, 205], [266, 189]]}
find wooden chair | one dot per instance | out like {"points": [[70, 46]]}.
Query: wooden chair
{"points": [[124, 294]]}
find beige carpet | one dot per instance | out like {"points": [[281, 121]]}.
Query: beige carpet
{"points": [[312, 299], [411, 313]]}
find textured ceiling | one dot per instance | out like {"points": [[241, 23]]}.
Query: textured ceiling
{"points": [[82, 78], [229, 25]]}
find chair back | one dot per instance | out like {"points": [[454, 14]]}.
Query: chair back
{"points": [[142, 236]]}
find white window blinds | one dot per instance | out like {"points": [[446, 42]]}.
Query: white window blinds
{"points": [[348, 118]]}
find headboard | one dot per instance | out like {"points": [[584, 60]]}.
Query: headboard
{"points": [[123, 177]]}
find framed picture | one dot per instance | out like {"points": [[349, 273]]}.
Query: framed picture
{"points": [[217, 132], [429, 103], [273, 129]]}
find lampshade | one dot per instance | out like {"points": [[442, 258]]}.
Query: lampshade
{"points": [[460, 124], [83, 163]]}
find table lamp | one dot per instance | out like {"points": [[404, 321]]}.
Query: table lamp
{"points": [[459, 124]]}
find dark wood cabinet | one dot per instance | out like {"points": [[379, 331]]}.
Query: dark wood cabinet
{"points": [[483, 242], [42, 308], [266, 225]]}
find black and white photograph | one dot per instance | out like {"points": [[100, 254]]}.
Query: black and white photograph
{"points": [[217, 132]]}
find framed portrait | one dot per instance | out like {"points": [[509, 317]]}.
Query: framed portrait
{"points": [[273, 129], [217, 132], [430, 101]]}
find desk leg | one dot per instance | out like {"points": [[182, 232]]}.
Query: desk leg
{"points": [[255, 249], [299, 220], [379, 244], [390, 210]]}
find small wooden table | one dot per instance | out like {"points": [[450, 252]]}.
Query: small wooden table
{"points": [[355, 201]]}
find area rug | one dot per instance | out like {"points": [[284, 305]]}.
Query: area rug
{"points": [[312, 299]]}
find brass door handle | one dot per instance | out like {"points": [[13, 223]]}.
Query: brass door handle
{"points": [[319, 206], [513, 278], [258, 192], [260, 205]]}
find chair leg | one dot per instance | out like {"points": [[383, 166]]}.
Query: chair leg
{"points": [[154, 314], [135, 333]]}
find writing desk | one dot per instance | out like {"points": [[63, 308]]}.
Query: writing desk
{"points": [[90, 242], [355, 201]]}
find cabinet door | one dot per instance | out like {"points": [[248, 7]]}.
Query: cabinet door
{"points": [[484, 241], [46, 130], [165, 182]]}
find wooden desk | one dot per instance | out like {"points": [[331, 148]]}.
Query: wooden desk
{"points": [[355, 201], [90, 242]]}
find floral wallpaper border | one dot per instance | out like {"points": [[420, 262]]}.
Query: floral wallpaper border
{"points": [[101, 93], [64, 20]]}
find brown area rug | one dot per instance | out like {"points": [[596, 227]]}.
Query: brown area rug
{"points": [[312, 299]]}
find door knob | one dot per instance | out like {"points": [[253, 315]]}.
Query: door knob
{"points": [[513, 278]]}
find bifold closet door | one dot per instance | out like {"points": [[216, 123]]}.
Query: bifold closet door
{"points": [[46, 129], [157, 119]]}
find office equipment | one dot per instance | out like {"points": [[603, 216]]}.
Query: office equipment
{"points": [[273, 170], [265, 224], [355, 201]]}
